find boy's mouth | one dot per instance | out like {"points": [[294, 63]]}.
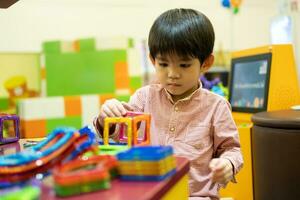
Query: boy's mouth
{"points": [[174, 84]]}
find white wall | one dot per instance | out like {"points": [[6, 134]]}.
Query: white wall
{"points": [[25, 25]]}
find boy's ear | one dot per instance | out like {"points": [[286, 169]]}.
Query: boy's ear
{"points": [[209, 61], [152, 59]]}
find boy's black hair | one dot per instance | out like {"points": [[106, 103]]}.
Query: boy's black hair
{"points": [[185, 32]]}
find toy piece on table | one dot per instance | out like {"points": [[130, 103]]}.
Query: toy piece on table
{"points": [[30, 143], [27, 192], [10, 148], [146, 163], [61, 145], [111, 149], [9, 128], [84, 175], [132, 121]]}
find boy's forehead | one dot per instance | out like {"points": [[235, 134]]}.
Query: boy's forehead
{"points": [[167, 56]]}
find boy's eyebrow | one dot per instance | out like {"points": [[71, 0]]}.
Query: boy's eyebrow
{"points": [[161, 58]]}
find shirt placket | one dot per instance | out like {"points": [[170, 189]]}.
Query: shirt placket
{"points": [[173, 123]]}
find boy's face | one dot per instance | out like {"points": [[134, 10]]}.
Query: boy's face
{"points": [[178, 75]]}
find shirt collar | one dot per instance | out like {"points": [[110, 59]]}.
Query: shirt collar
{"points": [[186, 98]]}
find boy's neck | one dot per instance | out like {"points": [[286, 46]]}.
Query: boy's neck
{"points": [[176, 98]]}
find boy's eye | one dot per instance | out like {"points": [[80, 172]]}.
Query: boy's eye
{"points": [[185, 65], [163, 64]]}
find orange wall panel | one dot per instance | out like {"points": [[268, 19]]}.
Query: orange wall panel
{"points": [[72, 106], [33, 128], [121, 75]]}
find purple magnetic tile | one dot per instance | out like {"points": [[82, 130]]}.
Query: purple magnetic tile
{"points": [[16, 120]]}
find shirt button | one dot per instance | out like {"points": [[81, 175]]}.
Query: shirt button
{"points": [[176, 109], [172, 129]]}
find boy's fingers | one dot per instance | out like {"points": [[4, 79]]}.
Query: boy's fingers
{"points": [[127, 106], [108, 111], [221, 171], [116, 107], [221, 178], [214, 163], [117, 111]]}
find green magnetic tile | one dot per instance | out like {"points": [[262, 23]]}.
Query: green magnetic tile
{"points": [[111, 149], [26, 193], [52, 47], [83, 188], [72, 121]]}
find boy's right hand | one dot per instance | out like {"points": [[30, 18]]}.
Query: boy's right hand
{"points": [[113, 108]]}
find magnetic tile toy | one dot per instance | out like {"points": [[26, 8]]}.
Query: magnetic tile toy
{"points": [[146, 163], [131, 121], [84, 175], [9, 128]]}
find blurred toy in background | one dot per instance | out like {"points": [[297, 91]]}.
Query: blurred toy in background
{"points": [[215, 85], [220, 90], [209, 84], [232, 4], [16, 87], [9, 128]]}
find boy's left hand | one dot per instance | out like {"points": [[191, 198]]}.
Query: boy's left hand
{"points": [[221, 170]]}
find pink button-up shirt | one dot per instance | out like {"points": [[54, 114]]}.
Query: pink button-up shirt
{"points": [[199, 127]]}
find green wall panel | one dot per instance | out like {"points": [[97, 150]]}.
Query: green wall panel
{"points": [[52, 47], [87, 45], [66, 121], [123, 98], [4, 103], [82, 73], [120, 55], [135, 82]]}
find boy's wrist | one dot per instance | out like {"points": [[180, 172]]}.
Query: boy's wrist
{"points": [[232, 179]]}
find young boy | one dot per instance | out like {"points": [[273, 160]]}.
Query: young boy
{"points": [[196, 122]]}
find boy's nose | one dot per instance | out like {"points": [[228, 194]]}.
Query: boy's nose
{"points": [[173, 74]]}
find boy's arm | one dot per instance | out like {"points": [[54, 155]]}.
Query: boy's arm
{"points": [[226, 138]]}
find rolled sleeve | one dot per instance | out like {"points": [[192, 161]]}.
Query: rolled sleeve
{"points": [[226, 137]]}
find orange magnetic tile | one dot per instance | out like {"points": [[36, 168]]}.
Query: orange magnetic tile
{"points": [[33, 128], [104, 97], [121, 75], [72, 106]]}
